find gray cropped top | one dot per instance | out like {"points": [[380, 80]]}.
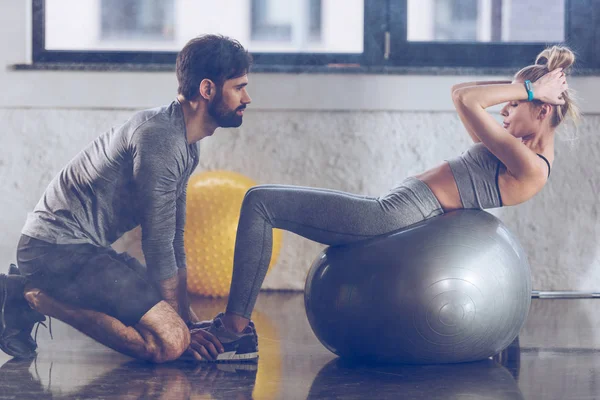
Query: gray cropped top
{"points": [[476, 174]]}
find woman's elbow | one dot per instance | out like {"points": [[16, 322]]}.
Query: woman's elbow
{"points": [[458, 98], [453, 90], [465, 98], [457, 86], [458, 95]]}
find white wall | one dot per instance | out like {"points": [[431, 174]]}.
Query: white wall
{"points": [[359, 133]]}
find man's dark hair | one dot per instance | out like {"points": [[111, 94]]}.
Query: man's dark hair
{"points": [[213, 57]]}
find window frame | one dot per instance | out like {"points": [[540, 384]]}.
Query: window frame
{"points": [[374, 27], [580, 17], [385, 45]]}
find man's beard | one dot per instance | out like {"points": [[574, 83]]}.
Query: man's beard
{"points": [[225, 117]]}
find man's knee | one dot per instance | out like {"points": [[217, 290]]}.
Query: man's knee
{"points": [[171, 350], [170, 336], [169, 347]]}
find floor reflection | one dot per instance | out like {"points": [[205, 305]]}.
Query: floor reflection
{"points": [[134, 380], [485, 379], [336, 379], [556, 357]]}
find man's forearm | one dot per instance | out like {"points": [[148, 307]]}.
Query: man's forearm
{"points": [[182, 295], [174, 292], [169, 290]]}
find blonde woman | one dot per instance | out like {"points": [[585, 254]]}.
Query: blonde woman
{"points": [[508, 164]]}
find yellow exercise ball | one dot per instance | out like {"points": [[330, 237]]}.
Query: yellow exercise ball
{"points": [[214, 199]]}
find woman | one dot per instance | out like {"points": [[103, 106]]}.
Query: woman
{"points": [[506, 166]]}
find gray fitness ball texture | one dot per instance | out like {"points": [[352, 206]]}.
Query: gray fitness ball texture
{"points": [[453, 288]]}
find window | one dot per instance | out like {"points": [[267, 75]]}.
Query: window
{"points": [[486, 21], [272, 20], [152, 31], [377, 34], [490, 33], [290, 21], [137, 19], [453, 21]]}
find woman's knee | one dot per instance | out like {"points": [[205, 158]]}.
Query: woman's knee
{"points": [[256, 194], [258, 199]]}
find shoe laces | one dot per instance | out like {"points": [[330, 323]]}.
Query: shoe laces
{"points": [[49, 327], [39, 379]]}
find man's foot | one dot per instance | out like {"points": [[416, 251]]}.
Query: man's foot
{"points": [[14, 270], [30, 317], [16, 318], [238, 346]]}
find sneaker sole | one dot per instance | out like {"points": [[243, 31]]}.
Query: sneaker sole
{"points": [[19, 356], [232, 357]]}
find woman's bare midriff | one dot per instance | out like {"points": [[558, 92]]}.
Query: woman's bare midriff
{"points": [[441, 182], [443, 185]]}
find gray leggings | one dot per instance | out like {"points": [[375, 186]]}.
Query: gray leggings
{"points": [[325, 216]]}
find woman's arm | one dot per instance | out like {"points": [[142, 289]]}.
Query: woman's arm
{"points": [[478, 83], [472, 101], [471, 133]]}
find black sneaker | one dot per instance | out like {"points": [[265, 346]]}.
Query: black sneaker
{"points": [[205, 324], [16, 318], [14, 270], [238, 346], [11, 340], [31, 317]]}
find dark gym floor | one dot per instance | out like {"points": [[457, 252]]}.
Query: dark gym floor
{"points": [[557, 357]]}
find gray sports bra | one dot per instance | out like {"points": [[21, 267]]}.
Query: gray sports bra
{"points": [[476, 173]]}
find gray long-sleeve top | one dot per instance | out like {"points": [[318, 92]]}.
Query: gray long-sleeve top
{"points": [[133, 175]]}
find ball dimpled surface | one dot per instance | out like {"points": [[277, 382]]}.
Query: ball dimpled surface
{"points": [[214, 199]]}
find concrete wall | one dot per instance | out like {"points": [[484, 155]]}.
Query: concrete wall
{"points": [[358, 133]]}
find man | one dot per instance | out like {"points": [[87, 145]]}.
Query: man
{"points": [[133, 175]]}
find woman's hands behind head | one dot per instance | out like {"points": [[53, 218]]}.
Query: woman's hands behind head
{"points": [[550, 87]]}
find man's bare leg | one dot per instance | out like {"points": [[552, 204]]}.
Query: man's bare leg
{"points": [[160, 336]]}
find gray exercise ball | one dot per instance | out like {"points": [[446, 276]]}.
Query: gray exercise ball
{"points": [[454, 288]]}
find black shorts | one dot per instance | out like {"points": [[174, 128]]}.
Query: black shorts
{"points": [[89, 277]]}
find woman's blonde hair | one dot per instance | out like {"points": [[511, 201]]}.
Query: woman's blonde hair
{"points": [[548, 60]]}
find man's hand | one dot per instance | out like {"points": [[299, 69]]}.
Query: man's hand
{"points": [[204, 345]]}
